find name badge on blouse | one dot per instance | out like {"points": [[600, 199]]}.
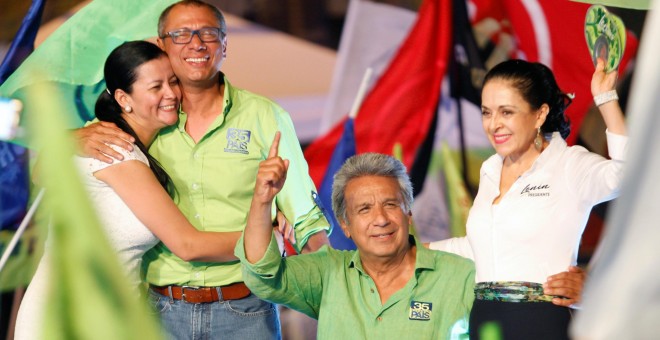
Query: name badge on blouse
{"points": [[420, 310]]}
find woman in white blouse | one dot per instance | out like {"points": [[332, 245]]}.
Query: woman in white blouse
{"points": [[534, 197]]}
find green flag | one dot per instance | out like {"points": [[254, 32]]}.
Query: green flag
{"points": [[458, 198], [73, 56], [634, 4], [90, 296], [23, 261], [397, 152]]}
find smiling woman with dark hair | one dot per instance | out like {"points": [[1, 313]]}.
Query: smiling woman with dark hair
{"points": [[534, 198]]}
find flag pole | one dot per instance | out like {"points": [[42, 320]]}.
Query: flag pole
{"points": [[361, 92], [21, 229], [344, 149]]}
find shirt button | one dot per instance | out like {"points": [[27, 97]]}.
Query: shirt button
{"points": [[196, 155], [379, 318], [197, 275], [197, 216], [195, 186], [372, 290]]}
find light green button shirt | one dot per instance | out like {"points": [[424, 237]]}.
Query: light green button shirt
{"points": [[331, 286], [214, 181]]}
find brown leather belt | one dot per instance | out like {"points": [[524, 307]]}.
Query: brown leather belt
{"points": [[234, 291]]}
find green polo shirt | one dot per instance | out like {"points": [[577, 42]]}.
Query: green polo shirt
{"points": [[331, 286], [214, 181]]}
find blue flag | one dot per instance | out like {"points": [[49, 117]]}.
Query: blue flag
{"points": [[344, 149], [14, 178], [23, 43], [14, 185]]}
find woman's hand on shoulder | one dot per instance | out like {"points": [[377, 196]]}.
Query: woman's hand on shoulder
{"points": [[93, 141]]}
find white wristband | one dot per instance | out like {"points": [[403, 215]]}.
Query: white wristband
{"points": [[605, 97]]}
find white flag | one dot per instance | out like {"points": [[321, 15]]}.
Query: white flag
{"points": [[372, 34]]}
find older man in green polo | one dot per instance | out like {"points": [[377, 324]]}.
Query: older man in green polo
{"points": [[390, 287]]}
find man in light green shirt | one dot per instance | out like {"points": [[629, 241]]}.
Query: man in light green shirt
{"points": [[391, 287], [214, 180], [212, 156]]}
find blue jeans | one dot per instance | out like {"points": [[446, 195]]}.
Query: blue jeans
{"points": [[247, 318]]}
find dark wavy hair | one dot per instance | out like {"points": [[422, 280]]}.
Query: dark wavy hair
{"points": [[120, 73], [537, 85]]}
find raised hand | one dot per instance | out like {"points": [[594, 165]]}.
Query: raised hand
{"points": [[603, 89], [271, 175], [270, 179], [602, 82]]}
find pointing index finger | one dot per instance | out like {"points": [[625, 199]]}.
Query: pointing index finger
{"points": [[273, 147]]}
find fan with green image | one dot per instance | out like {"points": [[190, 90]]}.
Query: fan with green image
{"points": [[606, 36]]}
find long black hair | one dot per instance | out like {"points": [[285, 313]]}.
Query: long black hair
{"points": [[537, 85], [120, 73]]}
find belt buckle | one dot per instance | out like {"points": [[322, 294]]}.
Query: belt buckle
{"points": [[183, 291]]}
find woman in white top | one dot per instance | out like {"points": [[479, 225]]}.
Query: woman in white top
{"points": [[534, 197], [131, 196]]}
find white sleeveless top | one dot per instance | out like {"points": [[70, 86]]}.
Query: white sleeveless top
{"points": [[126, 234]]}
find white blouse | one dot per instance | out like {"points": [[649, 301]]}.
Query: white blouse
{"points": [[536, 229]]}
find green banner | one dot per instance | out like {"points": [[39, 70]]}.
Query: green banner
{"points": [[633, 4], [73, 56]]}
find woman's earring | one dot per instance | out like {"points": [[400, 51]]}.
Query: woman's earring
{"points": [[128, 108], [538, 141]]}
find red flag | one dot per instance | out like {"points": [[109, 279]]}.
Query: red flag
{"points": [[402, 104], [552, 32]]}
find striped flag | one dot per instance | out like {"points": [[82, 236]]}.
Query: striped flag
{"points": [[372, 34], [401, 106], [344, 149]]}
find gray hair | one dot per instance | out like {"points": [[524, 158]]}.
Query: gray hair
{"points": [[194, 3], [369, 164]]}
